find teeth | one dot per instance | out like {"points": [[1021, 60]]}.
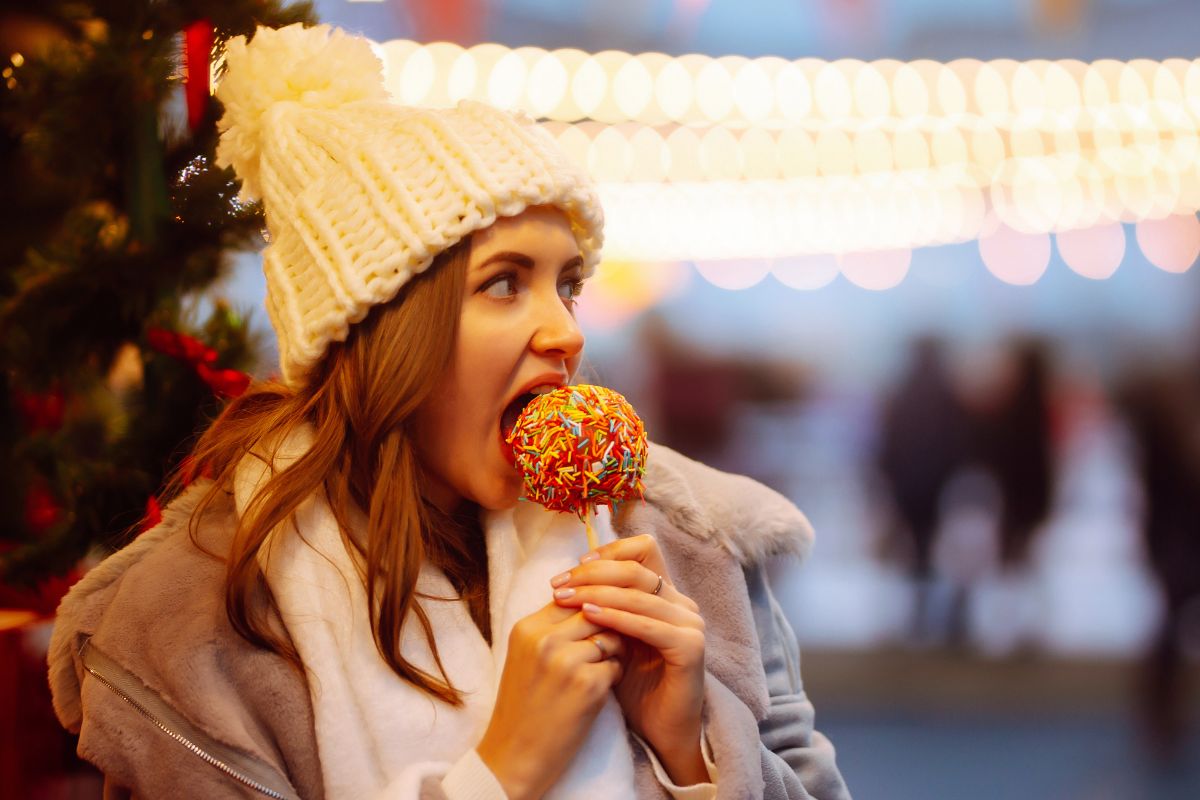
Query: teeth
{"points": [[544, 389]]}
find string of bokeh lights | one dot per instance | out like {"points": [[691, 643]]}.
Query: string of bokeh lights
{"points": [[808, 169]]}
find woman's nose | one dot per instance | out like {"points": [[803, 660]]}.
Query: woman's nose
{"points": [[557, 332]]}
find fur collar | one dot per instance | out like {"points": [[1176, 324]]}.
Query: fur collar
{"points": [[749, 520]]}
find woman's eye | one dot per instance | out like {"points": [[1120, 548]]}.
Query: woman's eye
{"points": [[570, 288], [500, 286]]}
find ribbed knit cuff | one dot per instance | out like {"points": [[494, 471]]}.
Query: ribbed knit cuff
{"points": [[470, 779]]}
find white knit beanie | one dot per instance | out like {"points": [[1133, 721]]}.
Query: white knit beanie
{"points": [[360, 194]]}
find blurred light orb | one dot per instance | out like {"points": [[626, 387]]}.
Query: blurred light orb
{"points": [[760, 155], [1014, 257], [871, 96], [589, 85], [793, 93], [991, 91], [1061, 88], [633, 88], [683, 148], [1172, 244], [610, 157], [910, 150], [650, 156], [460, 84], [714, 91], [872, 151], [506, 84], [548, 83], [443, 55], [575, 144], [876, 270], [832, 89], [571, 59], [752, 92], [720, 156], [673, 90], [1093, 252], [909, 93], [806, 273], [797, 153], [734, 274], [951, 94], [835, 152], [416, 77]]}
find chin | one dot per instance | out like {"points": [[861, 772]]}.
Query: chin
{"points": [[501, 494]]}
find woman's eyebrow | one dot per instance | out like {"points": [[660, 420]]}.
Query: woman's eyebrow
{"points": [[507, 256], [524, 261]]}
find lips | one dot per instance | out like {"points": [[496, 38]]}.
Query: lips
{"points": [[523, 396]]}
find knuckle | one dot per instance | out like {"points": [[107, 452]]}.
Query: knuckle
{"points": [[521, 633], [556, 660], [584, 682], [545, 651]]}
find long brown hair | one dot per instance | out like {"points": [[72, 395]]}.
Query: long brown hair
{"points": [[359, 403]]}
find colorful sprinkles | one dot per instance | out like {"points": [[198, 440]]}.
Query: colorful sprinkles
{"points": [[579, 447]]}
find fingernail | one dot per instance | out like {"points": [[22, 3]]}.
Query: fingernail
{"points": [[591, 608], [563, 594], [592, 556], [559, 580]]}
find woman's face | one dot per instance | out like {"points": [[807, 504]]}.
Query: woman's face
{"points": [[517, 333]]}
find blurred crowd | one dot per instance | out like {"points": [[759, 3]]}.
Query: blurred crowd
{"points": [[986, 439]]}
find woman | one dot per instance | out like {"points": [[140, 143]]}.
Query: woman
{"points": [[355, 604]]}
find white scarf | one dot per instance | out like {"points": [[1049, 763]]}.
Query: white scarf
{"points": [[377, 735]]}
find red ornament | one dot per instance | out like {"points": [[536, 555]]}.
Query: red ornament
{"points": [[41, 509], [223, 382], [41, 412], [197, 57], [153, 514]]}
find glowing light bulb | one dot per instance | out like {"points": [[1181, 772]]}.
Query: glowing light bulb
{"points": [[1014, 257], [1172, 243], [1094, 252], [878, 270]]}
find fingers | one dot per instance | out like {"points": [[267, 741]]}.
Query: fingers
{"points": [[627, 574], [643, 549], [678, 644], [605, 646], [631, 600]]}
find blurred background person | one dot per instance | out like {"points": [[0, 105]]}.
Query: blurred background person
{"points": [[1016, 447], [1163, 409], [923, 443]]}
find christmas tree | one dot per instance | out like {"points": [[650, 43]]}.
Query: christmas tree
{"points": [[113, 219]]}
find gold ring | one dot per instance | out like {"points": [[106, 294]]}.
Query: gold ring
{"points": [[600, 647], [658, 586]]}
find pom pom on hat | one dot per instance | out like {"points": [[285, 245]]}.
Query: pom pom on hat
{"points": [[314, 68]]}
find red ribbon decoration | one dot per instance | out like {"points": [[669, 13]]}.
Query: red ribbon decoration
{"points": [[223, 382], [197, 56], [41, 508], [41, 412], [153, 514]]}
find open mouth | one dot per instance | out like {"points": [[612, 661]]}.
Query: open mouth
{"points": [[512, 411]]}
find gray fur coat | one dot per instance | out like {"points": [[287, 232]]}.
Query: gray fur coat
{"points": [[170, 702]]}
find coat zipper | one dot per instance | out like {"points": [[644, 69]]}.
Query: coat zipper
{"points": [[110, 682]]}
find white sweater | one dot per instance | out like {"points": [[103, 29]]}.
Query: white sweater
{"points": [[380, 737]]}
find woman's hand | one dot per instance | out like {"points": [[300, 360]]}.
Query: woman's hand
{"points": [[662, 689], [557, 675]]}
